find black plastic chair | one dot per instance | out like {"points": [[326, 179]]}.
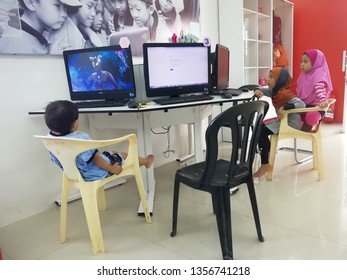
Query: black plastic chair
{"points": [[216, 175], [250, 87]]}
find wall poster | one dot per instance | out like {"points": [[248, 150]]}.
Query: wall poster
{"points": [[51, 26]]}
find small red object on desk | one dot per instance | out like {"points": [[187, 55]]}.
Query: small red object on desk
{"points": [[174, 38]]}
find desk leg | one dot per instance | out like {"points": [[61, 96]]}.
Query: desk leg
{"points": [[190, 154], [92, 128], [199, 155], [197, 140], [145, 148]]}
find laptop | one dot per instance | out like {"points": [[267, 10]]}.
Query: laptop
{"points": [[136, 37]]}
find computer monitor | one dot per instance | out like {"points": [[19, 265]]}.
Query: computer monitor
{"points": [[172, 69], [220, 68], [103, 73]]}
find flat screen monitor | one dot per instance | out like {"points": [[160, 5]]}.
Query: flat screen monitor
{"points": [[220, 68], [172, 69], [103, 73]]}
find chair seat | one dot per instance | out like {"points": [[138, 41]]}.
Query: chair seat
{"points": [[193, 174]]}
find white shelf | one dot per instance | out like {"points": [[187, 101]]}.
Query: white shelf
{"points": [[248, 12], [260, 15], [251, 57], [257, 18], [263, 42]]}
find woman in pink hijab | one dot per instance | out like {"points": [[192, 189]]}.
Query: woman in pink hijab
{"points": [[314, 85]]}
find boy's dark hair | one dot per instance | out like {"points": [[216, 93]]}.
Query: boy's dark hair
{"points": [[60, 115]]}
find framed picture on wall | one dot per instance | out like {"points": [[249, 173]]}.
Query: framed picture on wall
{"points": [[52, 26]]}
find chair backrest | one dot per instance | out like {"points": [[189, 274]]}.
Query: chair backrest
{"points": [[67, 149], [244, 139]]}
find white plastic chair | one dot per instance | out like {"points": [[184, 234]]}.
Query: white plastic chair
{"points": [[92, 192], [287, 132]]}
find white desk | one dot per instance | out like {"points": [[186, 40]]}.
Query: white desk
{"points": [[153, 116]]}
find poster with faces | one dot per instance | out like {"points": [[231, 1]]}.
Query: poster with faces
{"points": [[52, 26]]}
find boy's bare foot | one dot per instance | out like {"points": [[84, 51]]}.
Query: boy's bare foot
{"points": [[149, 161], [263, 169]]}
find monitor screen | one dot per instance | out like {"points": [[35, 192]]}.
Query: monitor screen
{"points": [[100, 73], [220, 68], [171, 69]]}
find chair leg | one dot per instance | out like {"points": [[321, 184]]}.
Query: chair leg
{"points": [[175, 208], [221, 197], [272, 155], [143, 195], [101, 199], [314, 153], [90, 205], [63, 208], [318, 155], [252, 197], [214, 204]]}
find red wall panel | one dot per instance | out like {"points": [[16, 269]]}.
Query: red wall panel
{"points": [[322, 25]]}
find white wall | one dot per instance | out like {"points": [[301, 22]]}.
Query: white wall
{"points": [[29, 182]]}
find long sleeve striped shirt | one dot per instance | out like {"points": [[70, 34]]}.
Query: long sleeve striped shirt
{"points": [[321, 93]]}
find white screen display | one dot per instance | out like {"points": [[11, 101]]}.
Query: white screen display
{"points": [[177, 66]]}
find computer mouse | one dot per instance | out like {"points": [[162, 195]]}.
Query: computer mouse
{"points": [[133, 105], [226, 95], [244, 89]]}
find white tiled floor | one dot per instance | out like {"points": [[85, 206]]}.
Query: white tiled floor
{"points": [[301, 218]]}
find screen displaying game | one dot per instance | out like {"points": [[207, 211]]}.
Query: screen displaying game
{"points": [[100, 73]]}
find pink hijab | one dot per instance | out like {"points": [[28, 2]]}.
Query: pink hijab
{"points": [[318, 73]]}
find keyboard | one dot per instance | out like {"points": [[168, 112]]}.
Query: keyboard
{"points": [[183, 99], [232, 91], [101, 103]]}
